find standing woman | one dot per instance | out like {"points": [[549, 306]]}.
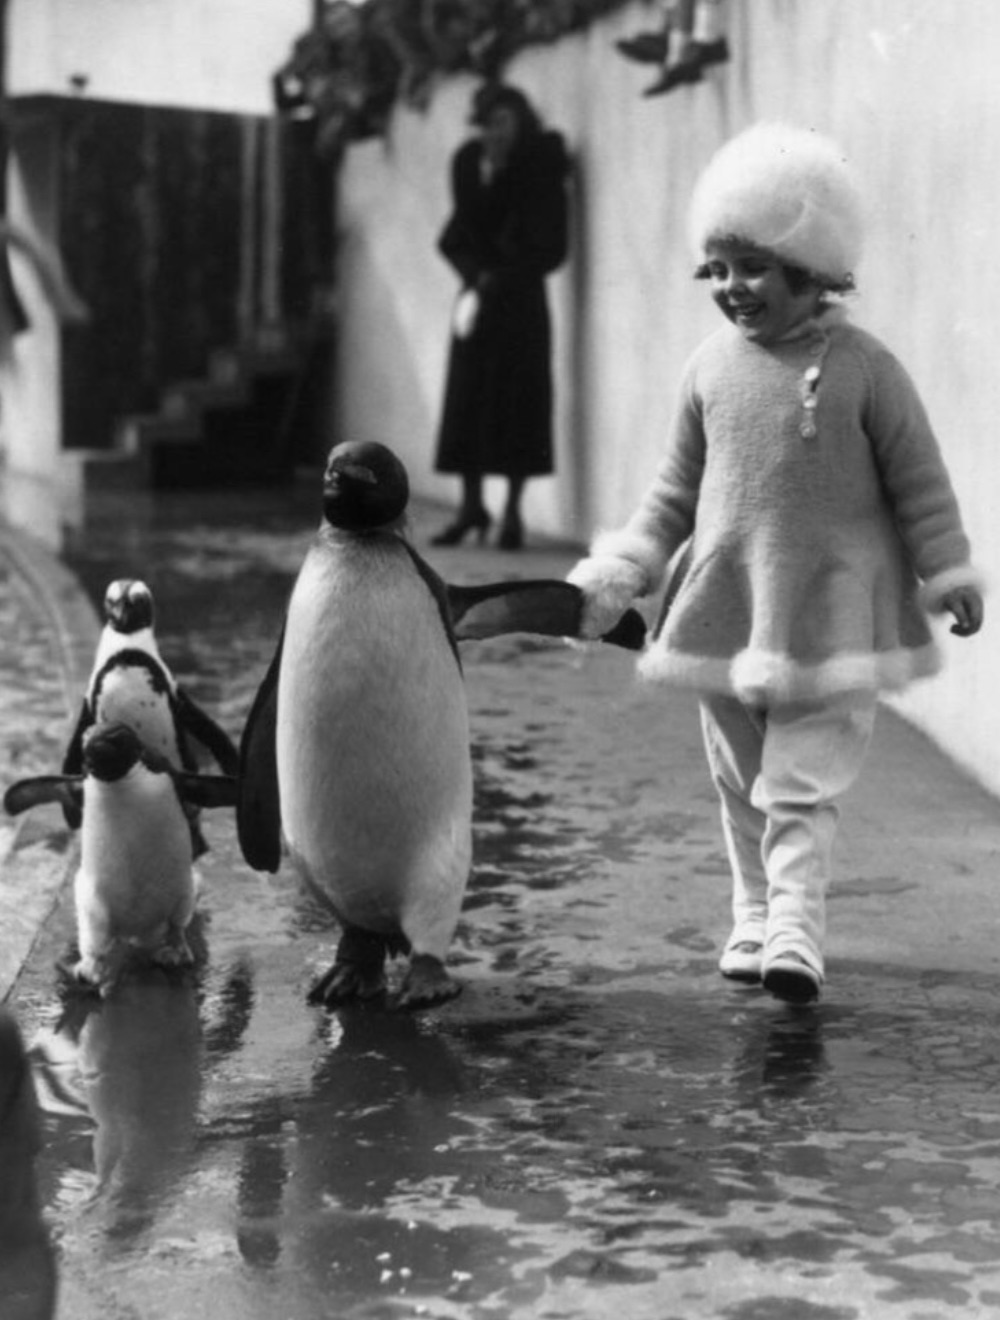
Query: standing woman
{"points": [[508, 230]]}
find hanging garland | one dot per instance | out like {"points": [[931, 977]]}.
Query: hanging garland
{"points": [[346, 73]]}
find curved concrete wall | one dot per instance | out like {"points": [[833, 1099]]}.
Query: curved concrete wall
{"points": [[912, 94]]}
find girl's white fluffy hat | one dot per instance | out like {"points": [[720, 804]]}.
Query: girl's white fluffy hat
{"points": [[788, 190]]}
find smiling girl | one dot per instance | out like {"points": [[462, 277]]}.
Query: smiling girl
{"points": [[820, 528]]}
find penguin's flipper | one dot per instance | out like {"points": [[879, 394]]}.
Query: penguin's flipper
{"points": [[73, 760], [545, 606], [200, 725], [67, 790], [258, 807], [441, 593], [207, 790]]}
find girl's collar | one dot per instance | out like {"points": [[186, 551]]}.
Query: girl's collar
{"points": [[825, 319]]}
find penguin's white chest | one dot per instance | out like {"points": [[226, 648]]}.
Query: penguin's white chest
{"points": [[128, 696], [373, 757], [135, 856]]}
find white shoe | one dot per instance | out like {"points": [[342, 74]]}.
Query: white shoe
{"points": [[742, 961], [788, 976]]}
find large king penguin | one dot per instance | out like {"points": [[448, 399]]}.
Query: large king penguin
{"points": [[131, 684], [356, 751], [135, 885]]}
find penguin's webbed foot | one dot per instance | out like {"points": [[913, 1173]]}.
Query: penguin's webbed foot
{"points": [[425, 983], [358, 971], [174, 952], [95, 972]]}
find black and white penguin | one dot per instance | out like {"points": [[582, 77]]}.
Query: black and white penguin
{"points": [[131, 684], [135, 885], [356, 753]]}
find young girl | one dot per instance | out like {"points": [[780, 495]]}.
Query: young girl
{"points": [[819, 526]]}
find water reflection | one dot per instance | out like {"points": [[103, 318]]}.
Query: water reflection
{"points": [[333, 1184], [128, 1069], [596, 1127], [782, 1058], [135, 1060]]}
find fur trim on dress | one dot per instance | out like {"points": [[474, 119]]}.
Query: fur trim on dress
{"points": [[934, 590], [609, 585], [643, 552], [757, 676]]}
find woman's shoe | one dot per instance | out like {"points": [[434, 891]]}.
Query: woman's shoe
{"points": [[511, 533], [644, 47], [788, 976], [456, 532], [742, 961], [688, 70], [674, 75]]}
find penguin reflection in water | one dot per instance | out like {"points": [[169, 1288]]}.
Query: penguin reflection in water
{"points": [[356, 751], [135, 885]]}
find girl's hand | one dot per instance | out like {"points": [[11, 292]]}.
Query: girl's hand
{"points": [[966, 604], [609, 586]]}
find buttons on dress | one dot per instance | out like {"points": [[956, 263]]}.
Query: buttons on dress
{"points": [[810, 382]]}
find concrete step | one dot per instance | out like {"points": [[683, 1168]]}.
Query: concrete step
{"points": [[189, 398], [89, 470], [246, 361], [136, 432], [225, 428]]}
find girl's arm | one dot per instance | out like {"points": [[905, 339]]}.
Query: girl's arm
{"points": [[919, 488]]}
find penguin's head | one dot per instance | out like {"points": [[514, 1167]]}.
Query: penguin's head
{"points": [[110, 751], [365, 487], [128, 605]]}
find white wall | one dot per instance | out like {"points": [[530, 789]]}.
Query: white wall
{"points": [[912, 94], [193, 54]]}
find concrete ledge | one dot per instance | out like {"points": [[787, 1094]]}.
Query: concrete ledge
{"points": [[38, 861]]}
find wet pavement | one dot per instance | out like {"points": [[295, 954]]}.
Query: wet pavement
{"points": [[599, 1126]]}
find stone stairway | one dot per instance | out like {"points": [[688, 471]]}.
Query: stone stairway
{"points": [[231, 428]]}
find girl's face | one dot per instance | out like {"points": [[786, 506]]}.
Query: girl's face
{"points": [[750, 287]]}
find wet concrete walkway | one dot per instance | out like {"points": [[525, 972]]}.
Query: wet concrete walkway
{"points": [[599, 1126]]}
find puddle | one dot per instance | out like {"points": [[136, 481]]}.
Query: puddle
{"points": [[598, 1126]]}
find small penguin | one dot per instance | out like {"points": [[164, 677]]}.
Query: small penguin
{"points": [[131, 684], [356, 753], [135, 884]]}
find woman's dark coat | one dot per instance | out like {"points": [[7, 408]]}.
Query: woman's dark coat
{"points": [[503, 238]]}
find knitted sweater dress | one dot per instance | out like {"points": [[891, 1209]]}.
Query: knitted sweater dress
{"points": [[820, 520]]}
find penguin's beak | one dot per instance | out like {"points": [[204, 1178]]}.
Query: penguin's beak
{"points": [[349, 472], [128, 606]]}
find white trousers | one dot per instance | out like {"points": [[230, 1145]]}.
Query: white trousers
{"points": [[778, 772]]}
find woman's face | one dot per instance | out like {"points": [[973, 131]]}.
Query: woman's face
{"points": [[500, 132]]}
